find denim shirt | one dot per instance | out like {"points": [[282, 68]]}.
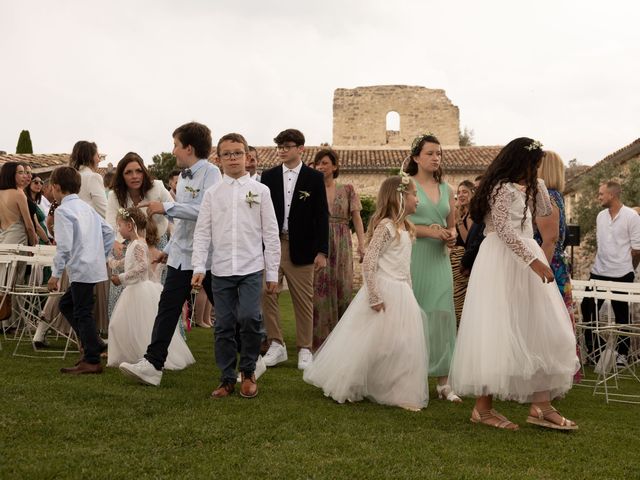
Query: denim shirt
{"points": [[184, 213]]}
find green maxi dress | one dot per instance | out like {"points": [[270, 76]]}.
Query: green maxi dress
{"points": [[433, 281]]}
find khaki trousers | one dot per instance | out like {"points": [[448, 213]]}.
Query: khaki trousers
{"points": [[300, 282]]}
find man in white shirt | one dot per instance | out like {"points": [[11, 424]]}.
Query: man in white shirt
{"points": [[252, 163], [192, 145], [618, 254], [236, 219]]}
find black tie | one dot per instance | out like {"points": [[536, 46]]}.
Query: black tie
{"points": [[186, 173]]}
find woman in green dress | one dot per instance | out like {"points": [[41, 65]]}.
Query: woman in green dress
{"points": [[430, 265]]}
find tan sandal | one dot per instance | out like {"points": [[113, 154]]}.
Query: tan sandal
{"points": [[483, 417], [542, 420]]}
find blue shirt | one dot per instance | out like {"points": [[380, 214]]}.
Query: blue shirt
{"points": [[184, 213], [83, 241]]}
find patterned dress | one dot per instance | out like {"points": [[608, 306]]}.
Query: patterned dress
{"points": [[433, 281], [333, 285]]}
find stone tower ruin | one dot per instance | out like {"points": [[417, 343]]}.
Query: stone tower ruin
{"points": [[390, 116]]}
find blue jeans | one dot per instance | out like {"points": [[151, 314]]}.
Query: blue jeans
{"points": [[237, 299]]}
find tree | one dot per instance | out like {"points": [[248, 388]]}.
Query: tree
{"points": [[466, 137], [24, 143], [163, 164]]}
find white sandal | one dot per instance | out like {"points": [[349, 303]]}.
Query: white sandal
{"points": [[445, 392]]}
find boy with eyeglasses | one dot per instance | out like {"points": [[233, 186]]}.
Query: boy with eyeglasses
{"points": [[236, 219], [300, 202]]}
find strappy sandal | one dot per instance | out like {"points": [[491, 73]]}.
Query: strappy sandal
{"points": [[542, 420], [445, 392], [483, 418]]}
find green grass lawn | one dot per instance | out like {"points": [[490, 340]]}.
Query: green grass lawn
{"points": [[104, 426]]}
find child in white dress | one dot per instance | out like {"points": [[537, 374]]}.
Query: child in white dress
{"points": [[515, 340], [378, 349], [131, 322]]}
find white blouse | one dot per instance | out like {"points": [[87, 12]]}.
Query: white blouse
{"points": [[157, 193], [92, 190]]}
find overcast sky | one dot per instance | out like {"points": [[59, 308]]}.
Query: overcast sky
{"points": [[126, 73]]}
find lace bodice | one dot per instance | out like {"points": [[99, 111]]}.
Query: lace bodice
{"points": [[389, 255], [506, 205], [136, 263]]}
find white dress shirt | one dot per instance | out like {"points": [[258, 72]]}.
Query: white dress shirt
{"points": [[157, 193], [184, 212], [616, 238], [92, 190], [290, 177], [83, 241], [236, 229]]}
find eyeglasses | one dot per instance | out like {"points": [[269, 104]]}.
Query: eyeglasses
{"points": [[228, 155], [285, 148], [38, 181]]}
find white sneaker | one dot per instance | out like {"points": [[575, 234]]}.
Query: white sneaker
{"points": [[260, 369], [142, 371], [276, 354], [305, 357]]}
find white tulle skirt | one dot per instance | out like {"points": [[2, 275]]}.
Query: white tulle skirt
{"points": [[515, 336], [380, 356], [131, 325]]}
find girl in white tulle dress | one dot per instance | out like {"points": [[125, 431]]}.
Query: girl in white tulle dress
{"points": [[132, 319], [378, 349], [515, 340]]}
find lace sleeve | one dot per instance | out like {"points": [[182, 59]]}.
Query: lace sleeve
{"points": [[139, 267], [543, 201], [382, 236], [500, 206]]}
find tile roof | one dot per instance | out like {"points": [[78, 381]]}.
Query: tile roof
{"points": [[468, 159], [40, 162], [619, 156]]}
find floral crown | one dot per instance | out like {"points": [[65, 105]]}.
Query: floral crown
{"points": [[534, 145], [419, 138], [404, 181], [124, 214]]}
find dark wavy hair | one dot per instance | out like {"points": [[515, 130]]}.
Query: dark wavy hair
{"points": [[410, 165], [82, 154], [118, 184], [8, 175], [516, 162], [333, 156]]}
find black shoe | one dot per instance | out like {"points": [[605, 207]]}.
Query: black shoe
{"points": [[40, 344]]}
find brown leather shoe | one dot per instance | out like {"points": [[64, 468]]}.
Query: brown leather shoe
{"points": [[223, 390], [82, 368], [248, 387]]}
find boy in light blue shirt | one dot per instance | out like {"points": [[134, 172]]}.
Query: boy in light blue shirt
{"points": [[83, 241]]}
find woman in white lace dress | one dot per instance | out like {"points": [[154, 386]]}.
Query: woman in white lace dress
{"points": [[378, 349], [515, 340], [132, 320]]}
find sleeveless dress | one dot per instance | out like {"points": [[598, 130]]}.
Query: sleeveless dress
{"points": [[131, 325], [333, 285], [433, 281], [515, 336], [381, 356]]}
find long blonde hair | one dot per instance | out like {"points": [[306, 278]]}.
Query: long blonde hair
{"points": [[551, 170], [390, 205]]}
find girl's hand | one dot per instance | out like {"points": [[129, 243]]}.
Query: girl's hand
{"points": [[453, 236], [115, 279], [361, 251], [117, 249], [543, 271], [196, 281], [379, 307]]}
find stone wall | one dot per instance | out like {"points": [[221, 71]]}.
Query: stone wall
{"points": [[359, 116], [369, 183]]}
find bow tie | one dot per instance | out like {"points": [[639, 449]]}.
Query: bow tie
{"points": [[186, 173]]}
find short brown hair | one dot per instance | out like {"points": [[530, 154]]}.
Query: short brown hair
{"points": [[232, 137], [68, 178], [197, 135], [290, 135], [614, 187], [333, 156]]}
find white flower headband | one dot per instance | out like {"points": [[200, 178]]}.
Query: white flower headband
{"points": [[534, 145], [124, 213]]}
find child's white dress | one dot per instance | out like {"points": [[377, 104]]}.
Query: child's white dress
{"points": [[131, 322], [381, 356], [515, 336]]}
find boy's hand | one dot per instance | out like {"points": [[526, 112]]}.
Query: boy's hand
{"points": [[271, 287], [115, 279], [53, 285], [196, 281], [152, 208]]}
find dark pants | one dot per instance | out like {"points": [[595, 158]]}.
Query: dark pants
{"points": [[176, 291], [620, 310], [77, 307], [237, 299]]}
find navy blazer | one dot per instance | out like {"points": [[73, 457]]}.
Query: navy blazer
{"points": [[308, 215]]}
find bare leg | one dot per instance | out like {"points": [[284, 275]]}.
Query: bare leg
{"points": [[542, 409], [484, 413]]}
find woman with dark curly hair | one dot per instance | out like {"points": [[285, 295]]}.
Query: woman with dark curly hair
{"points": [[515, 340]]}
